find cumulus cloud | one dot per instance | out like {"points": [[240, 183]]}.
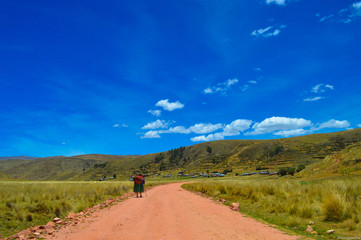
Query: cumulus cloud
{"points": [[270, 31], [210, 137], [221, 87], [236, 127], [274, 124], [156, 124], [203, 128], [253, 82], [151, 134], [277, 2], [334, 124], [359, 125], [169, 106], [155, 112], [313, 99], [233, 129], [177, 129], [200, 128], [294, 132]]}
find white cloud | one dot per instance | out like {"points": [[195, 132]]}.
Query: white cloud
{"points": [[319, 89], [203, 128], [156, 124], [200, 128], [356, 7], [329, 17], [230, 82], [237, 126], [329, 86], [359, 125], [294, 132], [208, 91], [221, 87], [257, 69], [274, 124], [334, 124], [322, 88], [345, 15], [266, 32], [253, 82], [233, 129], [260, 31], [151, 134], [278, 2], [155, 112], [117, 125], [169, 106], [210, 137], [177, 129], [63, 143], [313, 99]]}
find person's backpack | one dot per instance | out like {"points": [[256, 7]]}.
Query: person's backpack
{"points": [[138, 179]]}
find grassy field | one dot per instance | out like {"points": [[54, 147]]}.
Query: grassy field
{"points": [[331, 204], [25, 204]]}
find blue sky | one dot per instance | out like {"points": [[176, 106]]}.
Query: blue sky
{"points": [[138, 77]]}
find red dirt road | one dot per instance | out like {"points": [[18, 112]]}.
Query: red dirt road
{"points": [[169, 212]]}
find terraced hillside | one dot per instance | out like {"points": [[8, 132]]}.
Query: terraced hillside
{"points": [[238, 155]]}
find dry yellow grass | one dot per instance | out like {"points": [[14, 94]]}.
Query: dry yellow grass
{"points": [[331, 204]]}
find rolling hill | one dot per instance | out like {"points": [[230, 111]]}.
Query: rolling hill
{"points": [[238, 155], [345, 163], [18, 158]]}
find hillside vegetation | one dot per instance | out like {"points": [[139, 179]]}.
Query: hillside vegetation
{"points": [[237, 155], [345, 162]]}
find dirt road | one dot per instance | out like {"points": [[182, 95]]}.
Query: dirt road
{"points": [[169, 212]]}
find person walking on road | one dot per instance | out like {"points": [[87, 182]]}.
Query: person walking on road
{"points": [[139, 184]]}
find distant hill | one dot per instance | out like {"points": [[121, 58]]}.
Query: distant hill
{"points": [[18, 157], [237, 155], [57, 168]]}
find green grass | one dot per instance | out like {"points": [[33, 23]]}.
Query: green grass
{"points": [[331, 204], [25, 204]]}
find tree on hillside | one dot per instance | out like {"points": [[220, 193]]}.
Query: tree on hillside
{"points": [[162, 167], [159, 158], [291, 171], [300, 167], [209, 149], [176, 155], [282, 172]]}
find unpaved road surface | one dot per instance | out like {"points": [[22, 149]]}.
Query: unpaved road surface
{"points": [[169, 212]]}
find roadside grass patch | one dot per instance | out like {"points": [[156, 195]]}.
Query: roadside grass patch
{"points": [[331, 204], [25, 204]]}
